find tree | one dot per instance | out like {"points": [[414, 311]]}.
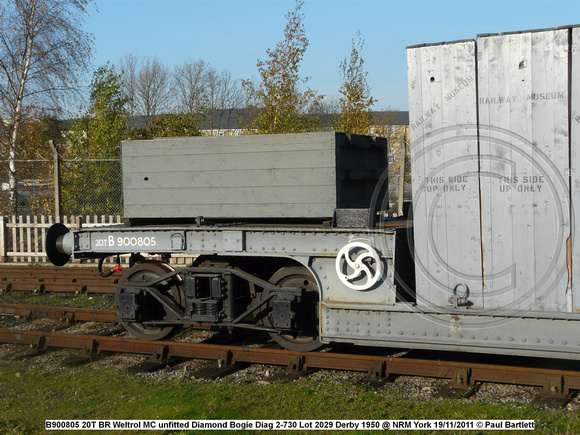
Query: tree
{"points": [[128, 66], [43, 54], [278, 104], [91, 183], [35, 170], [168, 125], [152, 91], [356, 100], [191, 84], [99, 132], [224, 96]]}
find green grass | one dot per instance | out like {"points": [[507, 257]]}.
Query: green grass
{"points": [[28, 397]]}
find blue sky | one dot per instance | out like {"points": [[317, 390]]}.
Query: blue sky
{"points": [[234, 34]]}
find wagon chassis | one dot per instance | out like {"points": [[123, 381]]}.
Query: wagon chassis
{"points": [[221, 290]]}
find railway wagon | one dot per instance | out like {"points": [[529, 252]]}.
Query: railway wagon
{"points": [[290, 234]]}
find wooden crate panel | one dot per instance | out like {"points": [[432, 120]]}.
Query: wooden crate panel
{"points": [[270, 176], [443, 122], [523, 109]]}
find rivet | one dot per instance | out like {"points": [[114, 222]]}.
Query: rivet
{"points": [[498, 338], [388, 331], [485, 337], [537, 340], [525, 339], [368, 331], [400, 332], [511, 339], [460, 335], [551, 341], [436, 334], [473, 337], [565, 342]]}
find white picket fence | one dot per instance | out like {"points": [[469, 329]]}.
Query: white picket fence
{"points": [[22, 237]]}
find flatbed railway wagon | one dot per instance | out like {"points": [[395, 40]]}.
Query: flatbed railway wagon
{"points": [[290, 232]]}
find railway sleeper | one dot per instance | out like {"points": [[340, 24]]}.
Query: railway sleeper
{"points": [[460, 385], [555, 393], [295, 369], [90, 354], [160, 359], [224, 366], [38, 347], [378, 375]]}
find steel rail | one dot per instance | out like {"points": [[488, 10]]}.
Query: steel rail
{"points": [[52, 279], [555, 382], [59, 313]]}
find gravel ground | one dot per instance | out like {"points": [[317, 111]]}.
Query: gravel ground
{"points": [[402, 387]]}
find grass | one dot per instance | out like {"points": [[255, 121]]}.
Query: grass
{"points": [[28, 397]]}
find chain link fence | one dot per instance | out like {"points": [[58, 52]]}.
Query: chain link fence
{"points": [[35, 188], [87, 187], [91, 187]]}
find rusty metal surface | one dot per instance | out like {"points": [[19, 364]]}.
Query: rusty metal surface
{"points": [[554, 381], [59, 313], [52, 279]]}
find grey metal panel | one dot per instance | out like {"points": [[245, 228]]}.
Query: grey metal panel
{"points": [[250, 176], [540, 337], [575, 164], [524, 157], [442, 99]]}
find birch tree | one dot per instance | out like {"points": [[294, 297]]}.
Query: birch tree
{"points": [[279, 104], [43, 55], [355, 94]]}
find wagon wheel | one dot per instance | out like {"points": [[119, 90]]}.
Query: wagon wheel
{"points": [[148, 308], [305, 336]]}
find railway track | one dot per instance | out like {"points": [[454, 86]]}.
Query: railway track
{"points": [[44, 279], [558, 384]]}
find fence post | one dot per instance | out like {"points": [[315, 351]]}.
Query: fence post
{"points": [[57, 195], [3, 239]]}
